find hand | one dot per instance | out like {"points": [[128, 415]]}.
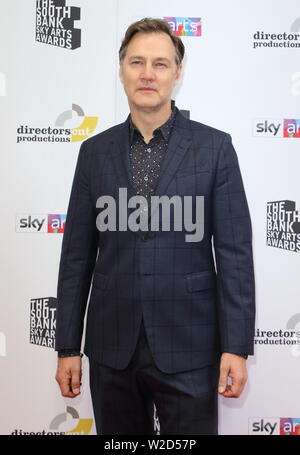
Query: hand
{"points": [[68, 375], [234, 366]]}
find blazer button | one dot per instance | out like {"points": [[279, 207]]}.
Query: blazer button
{"points": [[148, 236]]}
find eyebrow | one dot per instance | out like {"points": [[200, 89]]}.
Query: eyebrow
{"points": [[141, 57]]}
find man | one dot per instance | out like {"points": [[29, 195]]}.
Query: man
{"points": [[165, 324]]}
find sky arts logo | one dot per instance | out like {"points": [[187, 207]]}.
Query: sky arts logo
{"points": [[55, 24], [40, 223], [63, 130], [274, 426], [286, 128], [185, 26]]}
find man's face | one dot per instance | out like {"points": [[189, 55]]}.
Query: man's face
{"points": [[149, 71]]}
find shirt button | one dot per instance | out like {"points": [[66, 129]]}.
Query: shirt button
{"points": [[146, 177], [149, 149]]}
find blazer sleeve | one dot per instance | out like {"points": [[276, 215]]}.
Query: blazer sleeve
{"points": [[232, 240], [77, 260]]}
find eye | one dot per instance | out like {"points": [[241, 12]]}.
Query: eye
{"points": [[161, 64], [136, 61]]}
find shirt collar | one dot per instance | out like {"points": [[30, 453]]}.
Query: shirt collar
{"points": [[165, 129]]}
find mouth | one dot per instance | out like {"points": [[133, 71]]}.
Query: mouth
{"points": [[146, 89]]}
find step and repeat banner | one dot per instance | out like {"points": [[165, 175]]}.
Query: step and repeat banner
{"points": [[59, 85]]}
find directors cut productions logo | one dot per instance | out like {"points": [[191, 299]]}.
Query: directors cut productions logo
{"points": [[71, 417], [185, 26], [286, 128], [283, 225], [68, 423], [43, 321], [40, 223], [287, 337], [59, 133], [289, 39], [55, 24]]}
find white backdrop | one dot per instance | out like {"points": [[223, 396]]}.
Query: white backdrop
{"points": [[227, 83]]}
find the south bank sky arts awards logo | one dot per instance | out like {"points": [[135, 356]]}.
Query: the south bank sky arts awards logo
{"points": [[283, 225], [60, 131], [43, 321], [278, 39], [55, 24]]}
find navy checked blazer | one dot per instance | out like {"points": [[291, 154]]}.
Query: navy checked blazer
{"points": [[197, 298]]}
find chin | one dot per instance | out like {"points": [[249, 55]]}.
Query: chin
{"points": [[146, 103]]}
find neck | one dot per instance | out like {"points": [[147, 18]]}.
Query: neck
{"points": [[147, 120]]}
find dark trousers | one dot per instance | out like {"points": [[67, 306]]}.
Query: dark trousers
{"points": [[123, 400]]}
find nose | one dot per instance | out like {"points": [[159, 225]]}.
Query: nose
{"points": [[147, 73]]}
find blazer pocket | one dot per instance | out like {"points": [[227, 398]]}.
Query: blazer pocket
{"points": [[198, 281], [100, 281], [191, 171]]}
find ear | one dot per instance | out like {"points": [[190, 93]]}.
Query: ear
{"points": [[178, 73], [121, 73]]}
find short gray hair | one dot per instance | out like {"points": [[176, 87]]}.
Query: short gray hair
{"points": [[149, 25]]}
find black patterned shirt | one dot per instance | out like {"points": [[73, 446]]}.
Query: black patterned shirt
{"points": [[146, 159]]}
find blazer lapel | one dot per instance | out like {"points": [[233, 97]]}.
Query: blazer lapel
{"points": [[121, 158], [178, 145]]}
